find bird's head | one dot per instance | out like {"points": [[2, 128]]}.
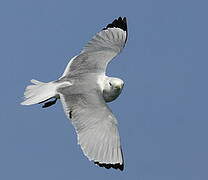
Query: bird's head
{"points": [[112, 88]]}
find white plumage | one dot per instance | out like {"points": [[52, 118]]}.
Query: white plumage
{"points": [[84, 90]]}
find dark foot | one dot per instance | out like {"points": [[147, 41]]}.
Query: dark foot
{"points": [[49, 103]]}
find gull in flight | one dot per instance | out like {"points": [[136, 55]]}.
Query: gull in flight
{"points": [[84, 90]]}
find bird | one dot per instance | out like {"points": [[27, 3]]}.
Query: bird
{"points": [[84, 90]]}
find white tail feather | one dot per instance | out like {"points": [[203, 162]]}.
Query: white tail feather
{"points": [[39, 92]]}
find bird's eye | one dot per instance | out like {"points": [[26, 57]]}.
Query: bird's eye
{"points": [[110, 83]]}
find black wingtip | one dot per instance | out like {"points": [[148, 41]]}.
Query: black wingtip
{"points": [[118, 23], [108, 166], [115, 166]]}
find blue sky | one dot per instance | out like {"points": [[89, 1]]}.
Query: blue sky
{"points": [[162, 111]]}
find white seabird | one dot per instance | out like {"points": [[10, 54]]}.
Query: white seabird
{"points": [[84, 90]]}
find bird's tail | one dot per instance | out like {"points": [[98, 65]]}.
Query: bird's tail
{"points": [[39, 92]]}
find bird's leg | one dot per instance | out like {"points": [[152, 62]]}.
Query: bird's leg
{"points": [[49, 103]]}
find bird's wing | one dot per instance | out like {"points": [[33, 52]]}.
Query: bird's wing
{"points": [[103, 47], [95, 125]]}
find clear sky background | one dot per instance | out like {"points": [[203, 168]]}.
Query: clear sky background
{"points": [[162, 112]]}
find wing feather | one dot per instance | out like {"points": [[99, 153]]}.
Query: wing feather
{"points": [[102, 48], [96, 128]]}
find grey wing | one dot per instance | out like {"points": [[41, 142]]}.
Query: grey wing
{"points": [[96, 128], [103, 47]]}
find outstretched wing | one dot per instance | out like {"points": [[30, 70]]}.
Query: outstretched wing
{"points": [[95, 125], [103, 47]]}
